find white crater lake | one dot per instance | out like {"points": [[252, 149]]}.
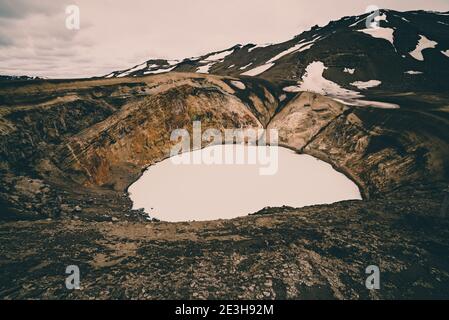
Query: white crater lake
{"points": [[175, 192]]}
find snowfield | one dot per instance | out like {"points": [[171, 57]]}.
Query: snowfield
{"points": [[423, 44], [446, 53]]}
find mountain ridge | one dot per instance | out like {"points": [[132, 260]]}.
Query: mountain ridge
{"points": [[409, 51]]}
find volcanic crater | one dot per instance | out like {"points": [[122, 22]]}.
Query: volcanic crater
{"points": [[69, 149]]}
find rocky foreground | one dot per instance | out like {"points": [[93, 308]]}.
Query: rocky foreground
{"points": [[69, 149], [311, 253]]}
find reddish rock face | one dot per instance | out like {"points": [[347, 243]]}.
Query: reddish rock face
{"points": [[138, 134]]}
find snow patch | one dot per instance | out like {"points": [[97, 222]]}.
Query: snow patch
{"points": [[213, 59], [413, 72], [446, 53], [423, 44], [136, 68], [219, 56], [292, 89], [382, 17], [348, 70], [376, 104], [258, 70], [314, 81], [300, 47], [244, 67], [356, 23], [205, 68], [381, 33], [363, 85], [159, 70], [259, 46], [238, 84]]}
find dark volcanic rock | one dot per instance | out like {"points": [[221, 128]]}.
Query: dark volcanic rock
{"points": [[310, 253]]}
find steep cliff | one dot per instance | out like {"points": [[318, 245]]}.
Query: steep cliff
{"points": [[380, 149]]}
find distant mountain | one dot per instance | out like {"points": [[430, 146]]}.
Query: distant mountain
{"points": [[408, 51], [17, 78]]}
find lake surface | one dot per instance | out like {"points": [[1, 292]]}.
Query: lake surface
{"points": [[175, 192]]}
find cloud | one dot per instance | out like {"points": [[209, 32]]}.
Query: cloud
{"points": [[5, 41], [15, 9]]}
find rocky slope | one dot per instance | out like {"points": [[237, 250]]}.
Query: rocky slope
{"points": [[310, 253]]}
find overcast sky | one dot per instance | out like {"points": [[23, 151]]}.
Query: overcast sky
{"points": [[117, 34]]}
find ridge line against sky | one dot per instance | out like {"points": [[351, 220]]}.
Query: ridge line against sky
{"points": [[117, 35]]}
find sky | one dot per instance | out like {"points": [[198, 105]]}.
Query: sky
{"points": [[114, 35]]}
